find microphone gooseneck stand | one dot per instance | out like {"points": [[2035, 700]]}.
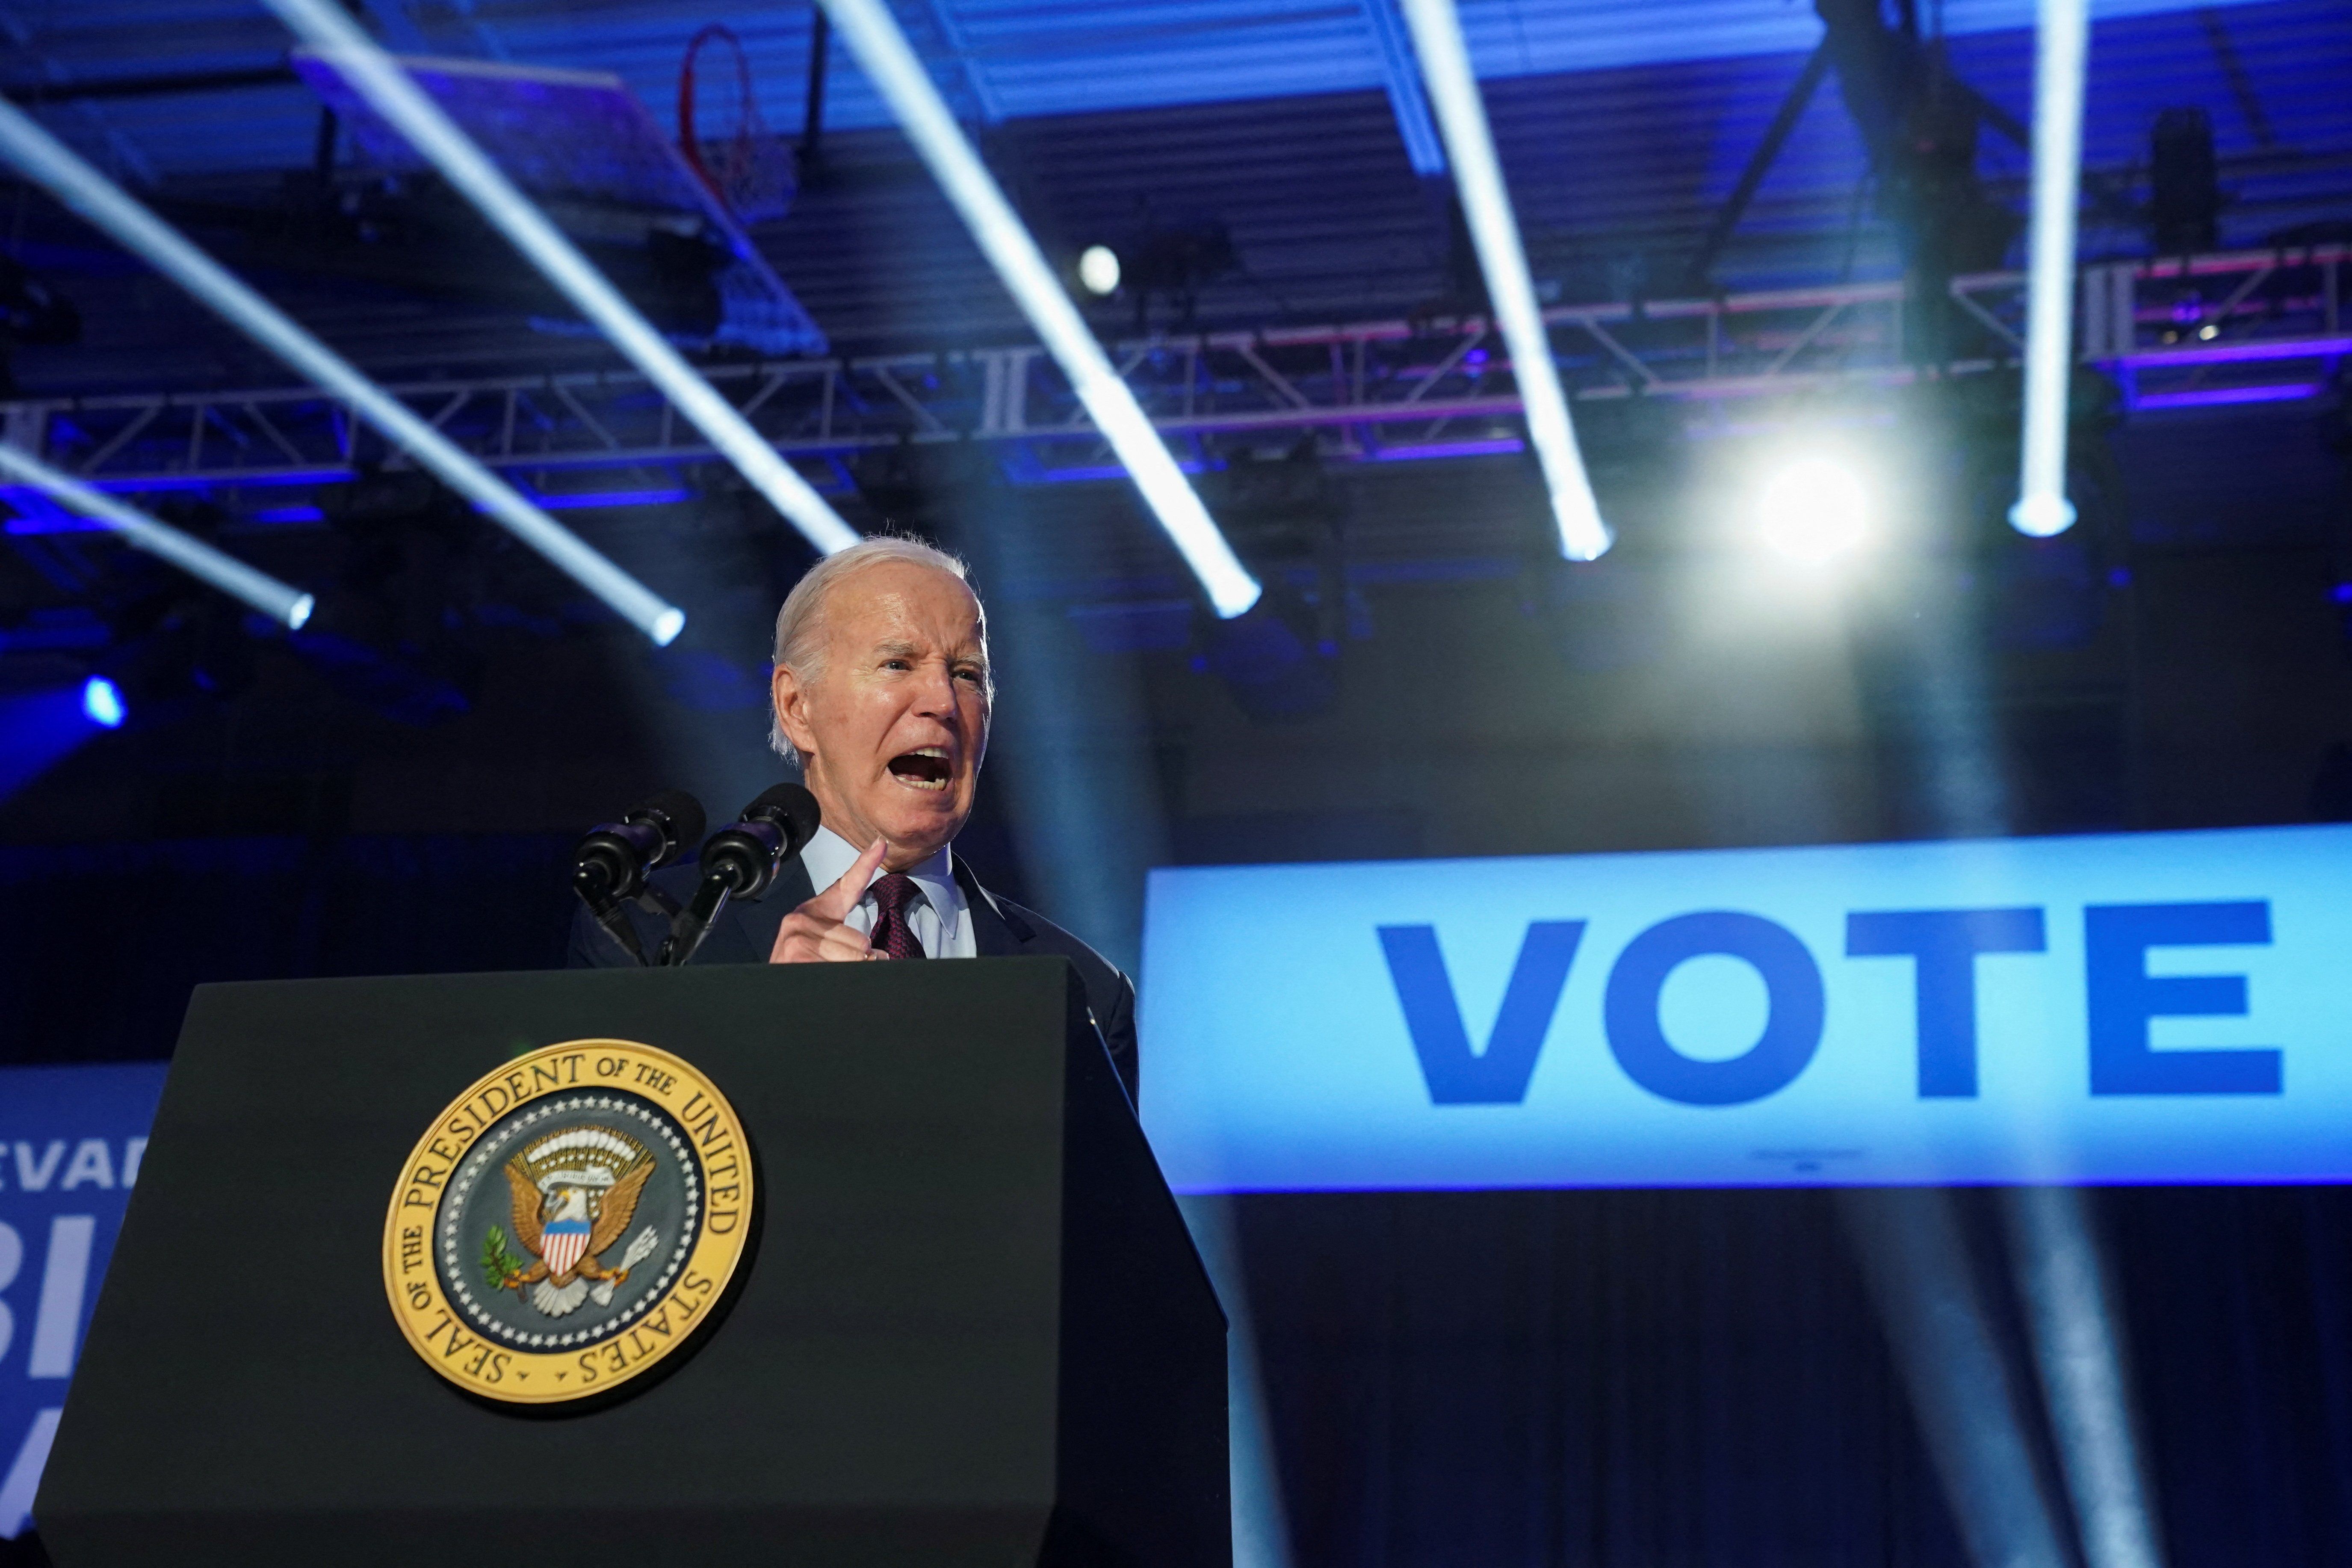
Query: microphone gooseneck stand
{"points": [[614, 864], [741, 862]]}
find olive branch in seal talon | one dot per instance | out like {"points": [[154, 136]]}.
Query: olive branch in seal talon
{"points": [[500, 1264]]}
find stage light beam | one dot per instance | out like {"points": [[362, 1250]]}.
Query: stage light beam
{"points": [[266, 594], [331, 33], [90, 194], [1914, 1262], [2061, 47], [889, 63], [1814, 509], [2078, 1349], [1494, 231]]}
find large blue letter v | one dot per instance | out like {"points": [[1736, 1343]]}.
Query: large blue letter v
{"points": [[1498, 1075]]}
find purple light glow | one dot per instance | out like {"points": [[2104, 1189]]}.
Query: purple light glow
{"points": [[1109, 471], [2237, 353], [2214, 396], [588, 499], [1449, 449]]}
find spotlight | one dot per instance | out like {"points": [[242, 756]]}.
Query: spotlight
{"points": [[2062, 44], [891, 65], [1098, 271], [2041, 515], [1814, 509], [102, 703]]}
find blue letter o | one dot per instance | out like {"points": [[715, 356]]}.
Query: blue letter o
{"points": [[1792, 1023]]}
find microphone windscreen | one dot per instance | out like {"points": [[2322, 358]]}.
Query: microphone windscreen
{"points": [[793, 808], [682, 813]]}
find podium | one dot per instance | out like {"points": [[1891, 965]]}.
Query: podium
{"points": [[969, 1327]]}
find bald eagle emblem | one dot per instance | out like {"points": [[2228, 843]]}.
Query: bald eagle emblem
{"points": [[574, 1193]]}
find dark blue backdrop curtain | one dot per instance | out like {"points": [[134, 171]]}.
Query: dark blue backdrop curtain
{"points": [[2238, 1301], [1628, 1379], [105, 940], [1655, 1379]]}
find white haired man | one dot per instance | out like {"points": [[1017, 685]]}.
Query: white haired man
{"points": [[882, 694]]}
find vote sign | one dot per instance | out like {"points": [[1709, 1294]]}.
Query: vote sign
{"points": [[2149, 1007]]}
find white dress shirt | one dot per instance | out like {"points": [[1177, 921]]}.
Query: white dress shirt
{"points": [[939, 919]]}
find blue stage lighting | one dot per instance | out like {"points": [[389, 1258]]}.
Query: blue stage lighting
{"points": [[2062, 48], [1495, 232], [190, 554], [39, 729], [386, 84], [102, 703], [890, 62], [81, 187]]}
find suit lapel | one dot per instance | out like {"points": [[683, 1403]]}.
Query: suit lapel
{"points": [[993, 933]]}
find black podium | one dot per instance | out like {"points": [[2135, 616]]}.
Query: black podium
{"points": [[973, 1329]]}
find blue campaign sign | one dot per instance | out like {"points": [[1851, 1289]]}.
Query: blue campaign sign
{"points": [[2147, 1007], [71, 1140]]}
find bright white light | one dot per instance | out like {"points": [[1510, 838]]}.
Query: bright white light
{"points": [[1814, 509], [380, 80], [2041, 515], [1486, 206], [190, 554], [873, 36], [98, 199], [2062, 44], [2078, 1347], [666, 628], [1098, 269], [298, 614], [102, 703]]}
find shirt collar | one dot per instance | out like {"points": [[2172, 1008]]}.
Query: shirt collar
{"points": [[828, 858]]}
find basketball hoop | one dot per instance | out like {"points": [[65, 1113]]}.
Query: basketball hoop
{"points": [[751, 172]]}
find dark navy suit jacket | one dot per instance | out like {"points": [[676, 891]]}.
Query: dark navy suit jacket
{"points": [[745, 934]]}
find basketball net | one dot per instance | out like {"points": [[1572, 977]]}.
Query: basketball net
{"points": [[751, 172]]}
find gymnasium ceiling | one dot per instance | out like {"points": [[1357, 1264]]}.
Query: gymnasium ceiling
{"points": [[1624, 126]]}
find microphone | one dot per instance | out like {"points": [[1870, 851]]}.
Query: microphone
{"points": [[610, 863], [773, 830], [741, 862]]}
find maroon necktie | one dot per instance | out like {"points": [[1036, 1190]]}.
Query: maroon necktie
{"points": [[892, 936]]}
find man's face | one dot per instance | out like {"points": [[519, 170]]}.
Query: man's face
{"points": [[894, 726]]}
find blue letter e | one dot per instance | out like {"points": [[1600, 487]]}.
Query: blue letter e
{"points": [[2124, 996], [1498, 1075]]}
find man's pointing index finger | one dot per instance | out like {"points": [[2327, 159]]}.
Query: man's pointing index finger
{"points": [[835, 902]]}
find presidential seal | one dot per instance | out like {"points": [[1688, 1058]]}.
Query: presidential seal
{"points": [[570, 1220]]}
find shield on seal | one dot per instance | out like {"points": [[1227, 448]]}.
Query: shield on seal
{"points": [[563, 1242]]}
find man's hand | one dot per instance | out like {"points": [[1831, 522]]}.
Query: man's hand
{"points": [[816, 932]]}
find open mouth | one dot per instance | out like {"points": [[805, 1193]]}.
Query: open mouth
{"points": [[926, 767]]}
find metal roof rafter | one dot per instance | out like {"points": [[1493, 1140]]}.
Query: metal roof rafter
{"points": [[1436, 388]]}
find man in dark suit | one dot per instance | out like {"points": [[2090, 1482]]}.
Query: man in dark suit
{"points": [[882, 693]]}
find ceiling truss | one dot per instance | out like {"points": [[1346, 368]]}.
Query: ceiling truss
{"points": [[2214, 329]]}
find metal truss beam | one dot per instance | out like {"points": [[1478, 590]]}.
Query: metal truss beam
{"points": [[2213, 328]]}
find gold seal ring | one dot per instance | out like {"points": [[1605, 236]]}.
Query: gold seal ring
{"points": [[568, 1221]]}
